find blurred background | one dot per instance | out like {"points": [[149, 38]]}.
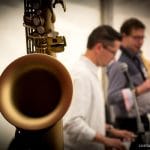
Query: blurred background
{"points": [[75, 24]]}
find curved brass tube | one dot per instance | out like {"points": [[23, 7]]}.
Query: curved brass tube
{"points": [[35, 91]]}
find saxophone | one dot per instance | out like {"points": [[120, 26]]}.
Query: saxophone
{"points": [[36, 89]]}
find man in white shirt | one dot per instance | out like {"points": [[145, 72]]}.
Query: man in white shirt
{"points": [[84, 123]]}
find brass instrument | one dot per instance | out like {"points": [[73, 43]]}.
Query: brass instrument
{"points": [[36, 89], [39, 20]]}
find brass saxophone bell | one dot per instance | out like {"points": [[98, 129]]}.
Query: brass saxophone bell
{"points": [[35, 91]]}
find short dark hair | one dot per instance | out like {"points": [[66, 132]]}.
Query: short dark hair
{"points": [[130, 24], [104, 34]]}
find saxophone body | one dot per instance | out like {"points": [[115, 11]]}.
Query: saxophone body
{"points": [[36, 89]]}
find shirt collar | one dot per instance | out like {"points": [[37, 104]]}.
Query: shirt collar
{"points": [[109, 65], [129, 52], [90, 64]]}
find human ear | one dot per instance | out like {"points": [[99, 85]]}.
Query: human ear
{"points": [[98, 47]]}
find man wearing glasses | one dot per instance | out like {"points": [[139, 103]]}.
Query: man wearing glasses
{"points": [[84, 123], [120, 95]]}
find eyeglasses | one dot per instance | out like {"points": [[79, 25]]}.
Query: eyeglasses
{"points": [[137, 38], [107, 48]]}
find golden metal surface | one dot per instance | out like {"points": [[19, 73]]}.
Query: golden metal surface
{"points": [[35, 93], [36, 89], [39, 19]]}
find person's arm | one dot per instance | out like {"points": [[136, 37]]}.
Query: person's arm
{"points": [[78, 130], [117, 91], [75, 124], [117, 82], [144, 87], [109, 142], [123, 134]]}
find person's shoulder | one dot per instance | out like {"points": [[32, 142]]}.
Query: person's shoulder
{"points": [[79, 70], [115, 66], [124, 57], [115, 71]]}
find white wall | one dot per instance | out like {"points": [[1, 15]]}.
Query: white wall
{"points": [[75, 24], [12, 39], [12, 45]]}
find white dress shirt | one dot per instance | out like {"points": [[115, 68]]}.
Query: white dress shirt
{"points": [[86, 115]]}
